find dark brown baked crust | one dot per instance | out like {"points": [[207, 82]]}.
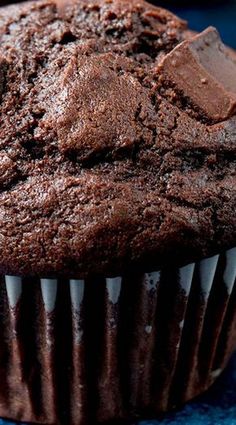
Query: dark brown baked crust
{"points": [[103, 165]]}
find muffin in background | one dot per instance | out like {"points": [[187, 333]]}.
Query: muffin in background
{"points": [[117, 211]]}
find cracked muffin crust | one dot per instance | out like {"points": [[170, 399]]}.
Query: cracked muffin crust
{"points": [[103, 160]]}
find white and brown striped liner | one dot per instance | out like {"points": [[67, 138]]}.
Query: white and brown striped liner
{"points": [[80, 351]]}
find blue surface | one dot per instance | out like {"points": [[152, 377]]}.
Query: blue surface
{"points": [[218, 406]]}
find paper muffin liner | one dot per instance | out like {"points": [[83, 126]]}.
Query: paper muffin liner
{"points": [[80, 352]]}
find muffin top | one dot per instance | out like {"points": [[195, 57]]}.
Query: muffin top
{"points": [[117, 139]]}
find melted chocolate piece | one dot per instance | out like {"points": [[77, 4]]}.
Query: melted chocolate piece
{"points": [[205, 72]]}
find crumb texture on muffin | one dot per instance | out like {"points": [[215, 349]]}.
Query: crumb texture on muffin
{"points": [[104, 160]]}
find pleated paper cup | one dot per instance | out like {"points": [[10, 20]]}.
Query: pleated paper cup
{"points": [[80, 352]]}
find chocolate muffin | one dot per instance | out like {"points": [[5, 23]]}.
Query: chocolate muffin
{"points": [[117, 210]]}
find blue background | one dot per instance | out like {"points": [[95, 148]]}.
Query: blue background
{"points": [[218, 406], [220, 14]]}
